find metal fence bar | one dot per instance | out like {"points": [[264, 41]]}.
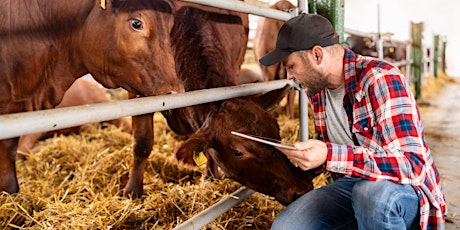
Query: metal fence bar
{"points": [[219, 208], [245, 8], [18, 124]]}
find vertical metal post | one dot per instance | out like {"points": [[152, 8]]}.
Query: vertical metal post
{"points": [[303, 100], [436, 55], [379, 43], [409, 62], [302, 6], [443, 55], [416, 34], [303, 120]]}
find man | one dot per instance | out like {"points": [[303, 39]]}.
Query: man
{"points": [[369, 131]]}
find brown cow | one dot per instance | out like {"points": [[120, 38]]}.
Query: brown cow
{"points": [[81, 92], [258, 166], [46, 45], [210, 46], [265, 41]]}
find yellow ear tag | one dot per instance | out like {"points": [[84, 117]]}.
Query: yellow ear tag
{"points": [[199, 158], [103, 4]]}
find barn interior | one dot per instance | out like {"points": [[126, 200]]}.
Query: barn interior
{"points": [[75, 181]]}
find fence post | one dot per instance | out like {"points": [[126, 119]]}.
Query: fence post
{"points": [[443, 55], [312, 7], [416, 35], [436, 55], [332, 10]]}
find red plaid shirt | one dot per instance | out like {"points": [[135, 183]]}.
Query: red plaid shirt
{"points": [[387, 132]]}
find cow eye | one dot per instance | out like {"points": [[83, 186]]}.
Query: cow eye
{"points": [[136, 24], [237, 153]]}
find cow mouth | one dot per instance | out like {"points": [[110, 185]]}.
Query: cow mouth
{"points": [[213, 155]]}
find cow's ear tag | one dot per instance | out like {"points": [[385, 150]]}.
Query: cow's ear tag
{"points": [[103, 4], [199, 158]]}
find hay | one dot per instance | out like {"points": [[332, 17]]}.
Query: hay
{"points": [[75, 182], [433, 85]]}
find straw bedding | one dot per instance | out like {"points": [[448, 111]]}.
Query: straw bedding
{"points": [[75, 182]]}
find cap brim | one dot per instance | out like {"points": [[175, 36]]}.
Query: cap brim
{"points": [[274, 57]]}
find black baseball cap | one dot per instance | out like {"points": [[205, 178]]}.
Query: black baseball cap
{"points": [[302, 32]]}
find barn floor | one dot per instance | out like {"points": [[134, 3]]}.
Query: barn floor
{"points": [[440, 116]]}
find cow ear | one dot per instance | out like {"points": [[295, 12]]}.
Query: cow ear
{"points": [[273, 97], [116, 4], [194, 145]]}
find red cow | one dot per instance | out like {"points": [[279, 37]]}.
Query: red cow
{"points": [[258, 166], [81, 92], [46, 45], [265, 41], [210, 46]]}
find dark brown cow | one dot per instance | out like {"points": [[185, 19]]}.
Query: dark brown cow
{"points": [[81, 92], [210, 46], [258, 166], [46, 45], [392, 50], [265, 41]]}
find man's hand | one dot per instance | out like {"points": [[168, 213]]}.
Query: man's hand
{"points": [[309, 154]]}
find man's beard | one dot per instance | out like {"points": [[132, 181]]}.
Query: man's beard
{"points": [[315, 80]]}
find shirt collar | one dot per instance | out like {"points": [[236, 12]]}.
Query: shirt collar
{"points": [[349, 67]]}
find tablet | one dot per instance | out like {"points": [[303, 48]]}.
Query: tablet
{"points": [[263, 141]]}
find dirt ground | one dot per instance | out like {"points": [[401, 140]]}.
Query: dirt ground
{"points": [[440, 116]]}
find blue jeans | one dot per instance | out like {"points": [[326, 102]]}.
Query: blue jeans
{"points": [[353, 203]]}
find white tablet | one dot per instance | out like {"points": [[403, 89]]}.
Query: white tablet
{"points": [[263, 141]]}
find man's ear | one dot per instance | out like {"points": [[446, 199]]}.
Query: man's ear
{"points": [[317, 52]]}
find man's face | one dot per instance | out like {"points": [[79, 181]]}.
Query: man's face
{"points": [[301, 68]]}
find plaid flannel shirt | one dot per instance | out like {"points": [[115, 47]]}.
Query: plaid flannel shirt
{"points": [[387, 132]]}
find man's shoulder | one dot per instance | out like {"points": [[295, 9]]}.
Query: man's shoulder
{"points": [[364, 71]]}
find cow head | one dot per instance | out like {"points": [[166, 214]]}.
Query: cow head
{"points": [[128, 45], [258, 166]]}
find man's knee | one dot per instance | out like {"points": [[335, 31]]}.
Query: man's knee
{"points": [[383, 202], [375, 193]]}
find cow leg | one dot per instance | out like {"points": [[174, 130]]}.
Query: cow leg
{"points": [[143, 143], [8, 179], [27, 142]]}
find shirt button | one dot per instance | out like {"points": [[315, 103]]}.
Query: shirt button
{"points": [[366, 128]]}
